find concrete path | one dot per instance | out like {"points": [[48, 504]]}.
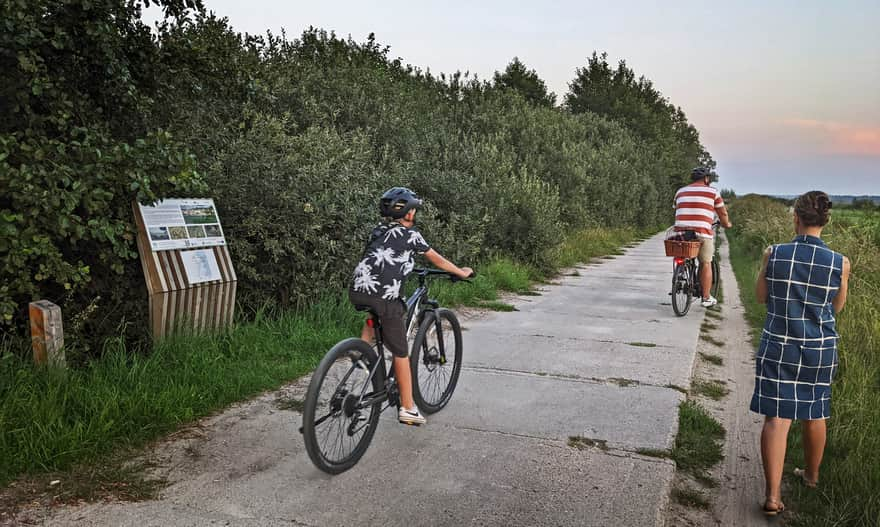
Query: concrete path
{"points": [[599, 356]]}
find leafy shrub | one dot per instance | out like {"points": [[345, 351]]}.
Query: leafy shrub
{"points": [[295, 140]]}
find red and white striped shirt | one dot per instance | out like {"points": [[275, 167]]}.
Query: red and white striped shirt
{"points": [[695, 207]]}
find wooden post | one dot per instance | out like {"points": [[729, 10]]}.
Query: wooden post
{"points": [[47, 333]]}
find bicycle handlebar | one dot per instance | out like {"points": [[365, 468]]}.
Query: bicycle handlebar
{"points": [[423, 272]]}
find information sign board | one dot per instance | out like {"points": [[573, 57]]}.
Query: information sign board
{"points": [[182, 224]]}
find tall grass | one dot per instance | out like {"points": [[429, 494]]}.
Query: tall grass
{"points": [[849, 491], [51, 420]]}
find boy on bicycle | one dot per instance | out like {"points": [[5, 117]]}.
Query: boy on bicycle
{"points": [[378, 278]]}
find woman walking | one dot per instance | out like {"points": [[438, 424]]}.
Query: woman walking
{"points": [[804, 285]]}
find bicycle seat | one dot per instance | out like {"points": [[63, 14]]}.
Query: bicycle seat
{"points": [[369, 309]]}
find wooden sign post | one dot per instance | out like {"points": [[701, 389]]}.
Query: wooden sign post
{"points": [[187, 266], [47, 333]]}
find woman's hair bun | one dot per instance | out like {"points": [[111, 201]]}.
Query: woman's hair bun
{"points": [[813, 208], [823, 203]]}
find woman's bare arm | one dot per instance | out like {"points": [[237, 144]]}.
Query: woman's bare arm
{"points": [[761, 284], [840, 300]]}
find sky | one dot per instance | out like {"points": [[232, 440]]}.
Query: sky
{"points": [[785, 94]]}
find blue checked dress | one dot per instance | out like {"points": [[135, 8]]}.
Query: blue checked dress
{"points": [[797, 357]]}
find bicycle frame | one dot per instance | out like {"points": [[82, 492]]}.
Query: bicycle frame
{"points": [[416, 305], [693, 264]]}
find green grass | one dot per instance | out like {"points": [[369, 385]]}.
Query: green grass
{"points": [[90, 417], [654, 452], [711, 340], [584, 245], [676, 388], [714, 314], [711, 358], [495, 305], [715, 390], [849, 493], [745, 267], [698, 443], [52, 419]]}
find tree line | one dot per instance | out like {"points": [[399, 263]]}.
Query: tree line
{"points": [[294, 138]]}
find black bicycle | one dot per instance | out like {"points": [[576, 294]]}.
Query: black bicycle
{"points": [[353, 381], [686, 280]]}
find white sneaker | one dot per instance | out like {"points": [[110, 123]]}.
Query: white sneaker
{"points": [[410, 417], [709, 302]]}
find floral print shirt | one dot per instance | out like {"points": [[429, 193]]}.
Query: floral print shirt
{"points": [[387, 260]]}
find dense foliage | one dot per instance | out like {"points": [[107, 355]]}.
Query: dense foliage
{"points": [[518, 77], [294, 139]]}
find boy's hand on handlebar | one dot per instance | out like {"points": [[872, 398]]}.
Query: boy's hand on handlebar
{"points": [[467, 272], [728, 225]]}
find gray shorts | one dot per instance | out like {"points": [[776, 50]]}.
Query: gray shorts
{"points": [[391, 314]]}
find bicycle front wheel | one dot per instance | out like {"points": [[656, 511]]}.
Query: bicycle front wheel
{"points": [[681, 290], [337, 428], [436, 360]]}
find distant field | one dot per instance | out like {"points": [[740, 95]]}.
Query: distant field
{"points": [[864, 222], [839, 199]]}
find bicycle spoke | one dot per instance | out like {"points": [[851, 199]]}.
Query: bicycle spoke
{"points": [[343, 380], [434, 377]]}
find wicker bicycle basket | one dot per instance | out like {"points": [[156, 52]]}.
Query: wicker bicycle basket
{"points": [[682, 249]]}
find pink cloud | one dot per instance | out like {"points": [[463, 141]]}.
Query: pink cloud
{"points": [[841, 138]]}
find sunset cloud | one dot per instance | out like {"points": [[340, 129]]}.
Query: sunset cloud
{"points": [[841, 138]]}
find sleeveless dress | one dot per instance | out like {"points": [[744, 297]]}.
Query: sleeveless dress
{"points": [[797, 357]]}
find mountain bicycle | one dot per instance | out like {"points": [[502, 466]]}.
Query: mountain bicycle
{"points": [[353, 381], [686, 273]]}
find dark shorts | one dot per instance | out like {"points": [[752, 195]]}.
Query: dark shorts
{"points": [[391, 314]]}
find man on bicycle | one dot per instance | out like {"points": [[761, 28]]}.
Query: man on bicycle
{"points": [[695, 208], [380, 275]]}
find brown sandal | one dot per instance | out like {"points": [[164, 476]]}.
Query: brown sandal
{"points": [[777, 509], [803, 475]]}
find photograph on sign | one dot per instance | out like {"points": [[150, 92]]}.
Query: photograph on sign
{"points": [[182, 224], [178, 233], [198, 214], [200, 266], [159, 233]]}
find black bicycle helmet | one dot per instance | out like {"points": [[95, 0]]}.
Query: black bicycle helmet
{"points": [[700, 173], [396, 202]]}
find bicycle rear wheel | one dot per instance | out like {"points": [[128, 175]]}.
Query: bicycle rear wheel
{"points": [[716, 277], [682, 288], [436, 360], [337, 430]]}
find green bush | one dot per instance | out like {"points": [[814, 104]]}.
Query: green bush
{"points": [[295, 140], [76, 148]]}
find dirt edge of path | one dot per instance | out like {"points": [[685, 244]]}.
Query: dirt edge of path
{"points": [[736, 498]]}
